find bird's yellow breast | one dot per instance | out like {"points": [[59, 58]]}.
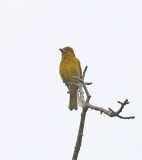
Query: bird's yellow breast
{"points": [[69, 67]]}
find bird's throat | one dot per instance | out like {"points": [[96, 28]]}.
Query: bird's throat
{"points": [[65, 55]]}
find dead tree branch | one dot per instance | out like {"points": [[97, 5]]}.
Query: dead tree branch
{"points": [[86, 105], [80, 134]]}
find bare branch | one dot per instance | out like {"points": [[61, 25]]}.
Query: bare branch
{"points": [[110, 112], [86, 105], [80, 134]]}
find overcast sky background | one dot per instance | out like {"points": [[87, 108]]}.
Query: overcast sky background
{"points": [[35, 123]]}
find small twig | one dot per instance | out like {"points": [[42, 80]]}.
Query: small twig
{"points": [[74, 84], [88, 83], [84, 72], [122, 105], [131, 117]]}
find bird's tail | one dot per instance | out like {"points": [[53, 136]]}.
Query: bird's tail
{"points": [[74, 100]]}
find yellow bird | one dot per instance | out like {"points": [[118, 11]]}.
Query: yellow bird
{"points": [[69, 67]]}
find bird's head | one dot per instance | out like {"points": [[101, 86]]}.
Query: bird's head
{"points": [[67, 50]]}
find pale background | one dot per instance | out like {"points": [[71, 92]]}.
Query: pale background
{"points": [[35, 123]]}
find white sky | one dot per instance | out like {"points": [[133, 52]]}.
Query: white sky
{"points": [[35, 122]]}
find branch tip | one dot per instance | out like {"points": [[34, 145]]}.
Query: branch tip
{"points": [[85, 69]]}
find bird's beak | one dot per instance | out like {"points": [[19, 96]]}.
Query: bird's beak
{"points": [[61, 49]]}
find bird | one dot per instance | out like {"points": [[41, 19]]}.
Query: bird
{"points": [[69, 67]]}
